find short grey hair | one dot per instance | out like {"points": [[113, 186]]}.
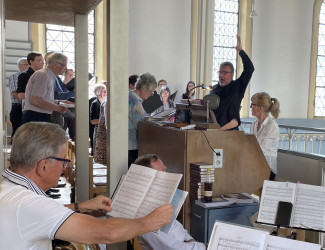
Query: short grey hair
{"points": [[146, 81], [35, 141], [98, 88], [56, 57], [227, 64], [20, 60]]}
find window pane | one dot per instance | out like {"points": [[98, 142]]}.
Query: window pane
{"points": [[61, 39], [225, 32], [319, 110]]}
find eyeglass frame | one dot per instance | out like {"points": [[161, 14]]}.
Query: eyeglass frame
{"points": [[62, 64], [66, 162], [224, 72], [254, 104]]}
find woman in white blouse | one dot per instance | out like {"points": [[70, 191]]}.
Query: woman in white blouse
{"points": [[265, 128]]}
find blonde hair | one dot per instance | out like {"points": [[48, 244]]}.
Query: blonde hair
{"points": [[267, 103]]}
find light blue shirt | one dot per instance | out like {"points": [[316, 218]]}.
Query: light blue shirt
{"points": [[136, 114]]}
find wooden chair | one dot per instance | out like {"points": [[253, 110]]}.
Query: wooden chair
{"points": [[97, 178]]}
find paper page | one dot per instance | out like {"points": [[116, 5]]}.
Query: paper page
{"points": [[132, 191], [177, 203], [272, 193], [280, 243], [160, 193], [227, 237], [309, 207]]}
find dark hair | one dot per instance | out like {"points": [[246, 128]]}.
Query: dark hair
{"points": [[164, 88], [31, 56], [186, 90], [162, 80], [145, 160], [133, 79]]}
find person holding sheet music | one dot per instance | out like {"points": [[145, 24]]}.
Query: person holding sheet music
{"points": [[167, 102], [231, 92], [145, 86], [178, 237], [265, 128], [31, 220]]}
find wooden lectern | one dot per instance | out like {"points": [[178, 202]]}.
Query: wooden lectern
{"points": [[244, 165]]}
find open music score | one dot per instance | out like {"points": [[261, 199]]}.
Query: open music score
{"points": [[308, 204], [142, 190], [228, 236]]}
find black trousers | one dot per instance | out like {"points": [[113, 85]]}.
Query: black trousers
{"points": [[16, 115]]}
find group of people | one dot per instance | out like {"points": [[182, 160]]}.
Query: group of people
{"points": [[36, 90], [38, 156]]}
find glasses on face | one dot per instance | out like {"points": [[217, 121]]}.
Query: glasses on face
{"points": [[62, 64], [221, 73], [253, 104], [40, 61], [66, 162]]}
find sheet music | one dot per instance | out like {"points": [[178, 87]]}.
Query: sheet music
{"points": [[272, 193], [132, 191], [228, 237], [309, 207], [160, 193], [279, 243]]}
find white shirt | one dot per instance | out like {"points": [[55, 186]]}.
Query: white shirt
{"points": [[268, 138], [175, 239], [29, 219]]}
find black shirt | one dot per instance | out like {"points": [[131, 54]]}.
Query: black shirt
{"points": [[23, 80], [232, 94]]}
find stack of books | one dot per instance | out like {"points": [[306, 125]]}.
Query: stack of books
{"points": [[198, 175]]}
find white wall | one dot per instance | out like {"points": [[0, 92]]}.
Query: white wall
{"points": [[159, 42], [281, 51], [17, 30]]}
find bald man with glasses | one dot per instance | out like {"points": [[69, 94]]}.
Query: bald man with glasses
{"points": [[231, 92]]}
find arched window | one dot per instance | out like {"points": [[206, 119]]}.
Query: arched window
{"points": [[226, 19], [61, 39], [319, 103]]}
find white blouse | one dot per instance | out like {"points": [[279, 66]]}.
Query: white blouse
{"points": [[268, 138]]}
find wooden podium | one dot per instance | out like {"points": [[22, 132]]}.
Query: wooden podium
{"points": [[244, 165]]}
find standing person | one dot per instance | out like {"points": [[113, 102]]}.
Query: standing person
{"points": [[165, 98], [132, 81], [145, 86], [161, 83], [31, 220], [190, 91], [39, 97], [35, 61], [265, 128], [232, 92], [16, 108], [101, 92]]}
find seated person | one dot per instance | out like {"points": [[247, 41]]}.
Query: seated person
{"points": [[265, 128], [165, 98], [31, 220], [177, 238]]}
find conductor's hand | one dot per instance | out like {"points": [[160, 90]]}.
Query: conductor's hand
{"points": [[239, 46], [100, 202], [160, 217], [61, 109]]}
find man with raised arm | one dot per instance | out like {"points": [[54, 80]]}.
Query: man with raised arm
{"points": [[231, 92], [31, 220]]}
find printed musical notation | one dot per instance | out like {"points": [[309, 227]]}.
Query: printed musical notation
{"points": [[143, 190]]}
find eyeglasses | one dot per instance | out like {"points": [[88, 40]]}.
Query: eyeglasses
{"points": [[66, 162], [253, 104], [224, 72], [62, 64]]}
